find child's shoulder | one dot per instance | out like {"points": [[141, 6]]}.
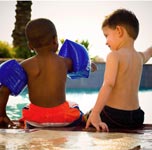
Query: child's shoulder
{"points": [[113, 55], [28, 61]]}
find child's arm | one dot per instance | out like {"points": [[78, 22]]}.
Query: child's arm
{"points": [[147, 54], [108, 84], [94, 117], [4, 119], [93, 67]]}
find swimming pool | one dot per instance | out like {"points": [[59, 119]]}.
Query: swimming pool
{"points": [[85, 98]]}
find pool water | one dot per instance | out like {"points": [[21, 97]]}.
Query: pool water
{"points": [[85, 98]]}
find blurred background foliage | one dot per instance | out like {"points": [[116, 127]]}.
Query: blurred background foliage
{"points": [[10, 51], [19, 48], [6, 50]]}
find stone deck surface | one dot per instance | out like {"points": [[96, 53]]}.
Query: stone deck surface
{"points": [[75, 139]]}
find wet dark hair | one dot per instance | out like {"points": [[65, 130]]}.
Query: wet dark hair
{"points": [[124, 18], [40, 32]]}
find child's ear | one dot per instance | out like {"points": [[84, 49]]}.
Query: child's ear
{"points": [[120, 30], [55, 40], [55, 43], [30, 46]]}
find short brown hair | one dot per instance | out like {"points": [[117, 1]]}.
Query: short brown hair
{"points": [[125, 18], [39, 32]]}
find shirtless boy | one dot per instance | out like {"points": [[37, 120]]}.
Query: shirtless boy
{"points": [[117, 104], [47, 73]]}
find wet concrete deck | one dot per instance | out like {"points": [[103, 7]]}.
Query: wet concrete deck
{"points": [[40, 139]]}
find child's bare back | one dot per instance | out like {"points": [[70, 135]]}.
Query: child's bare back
{"points": [[124, 94], [46, 79]]}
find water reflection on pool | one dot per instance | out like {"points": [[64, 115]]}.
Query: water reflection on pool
{"points": [[85, 98]]}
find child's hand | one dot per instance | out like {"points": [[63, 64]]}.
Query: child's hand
{"points": [[93, 67], [5, 122], [95, 120]]}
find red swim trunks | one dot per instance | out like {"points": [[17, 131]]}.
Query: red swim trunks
{"points": [[59, 116]]}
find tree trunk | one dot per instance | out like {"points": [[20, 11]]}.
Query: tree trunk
{"points": [[23, 15]]}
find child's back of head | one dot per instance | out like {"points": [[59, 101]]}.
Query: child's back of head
{"points": [[40, 32]]}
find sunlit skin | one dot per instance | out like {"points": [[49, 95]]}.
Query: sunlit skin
{"points": [[46, 71], [122, 76], [43, 86]]}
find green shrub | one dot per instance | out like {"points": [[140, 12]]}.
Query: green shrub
{"points": [[23, 52], [6, 50], [85, 43]]}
